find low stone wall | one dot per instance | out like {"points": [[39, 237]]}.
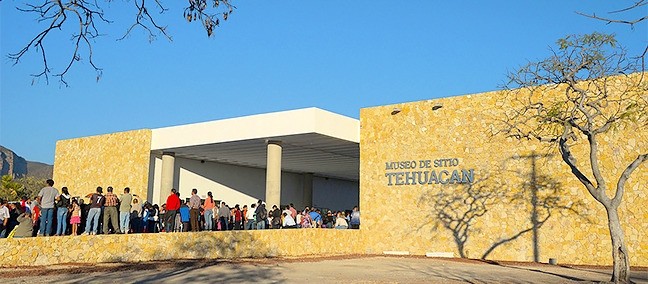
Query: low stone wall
{"points": [[149, 247]]}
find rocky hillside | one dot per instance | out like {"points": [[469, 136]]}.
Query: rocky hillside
{"points": [[17, 166]]}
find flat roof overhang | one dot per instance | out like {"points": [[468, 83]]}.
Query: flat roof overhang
{"points": [[313, 141]]}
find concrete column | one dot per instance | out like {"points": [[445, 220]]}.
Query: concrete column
{"points": [[308, 190], [166, 179], [273, 174]]}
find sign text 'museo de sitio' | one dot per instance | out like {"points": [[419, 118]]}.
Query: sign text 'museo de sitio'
{"points": [[438, 171]]}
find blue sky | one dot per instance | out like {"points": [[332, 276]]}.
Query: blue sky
{"points": [[279, 55]]}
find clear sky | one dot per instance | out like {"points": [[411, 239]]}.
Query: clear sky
{"points": [[278, 55]]}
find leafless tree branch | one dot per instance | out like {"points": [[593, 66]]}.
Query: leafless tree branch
{"points": [[62, 14]]}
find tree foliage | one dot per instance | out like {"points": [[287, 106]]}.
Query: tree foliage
{"points": [[9, 189], [599, 88], [84, 18], [14, 189]]}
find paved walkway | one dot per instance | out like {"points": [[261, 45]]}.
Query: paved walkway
{"points": [[329, 270]]}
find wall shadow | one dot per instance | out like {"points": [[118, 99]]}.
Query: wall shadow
{"points": [[458, 208]]}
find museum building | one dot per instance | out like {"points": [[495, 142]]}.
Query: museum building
{"points": [[431, 177]]}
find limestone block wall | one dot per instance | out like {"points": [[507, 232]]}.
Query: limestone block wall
{"points": [[117, 159], [405, 214], [163, 246]]}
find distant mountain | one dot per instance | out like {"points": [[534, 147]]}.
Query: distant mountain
{"points": [[17, 166], [39, 170]]}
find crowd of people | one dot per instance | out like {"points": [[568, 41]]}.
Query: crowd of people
{"points": [[110, 213]]}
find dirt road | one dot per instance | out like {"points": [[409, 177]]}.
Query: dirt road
{"points": [[376, 269]]}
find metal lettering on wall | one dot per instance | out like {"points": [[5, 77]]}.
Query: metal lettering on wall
{"points": [[420, 172]]}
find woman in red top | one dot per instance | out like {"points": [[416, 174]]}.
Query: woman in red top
{"points": [[237, 217], [36, 212]]}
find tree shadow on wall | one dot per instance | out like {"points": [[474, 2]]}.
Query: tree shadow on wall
{"points": [[459, 207], [541, 198]]}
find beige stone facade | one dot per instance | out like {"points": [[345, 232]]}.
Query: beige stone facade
{"points": [[148, 247], [117, 159], [405, 215]]}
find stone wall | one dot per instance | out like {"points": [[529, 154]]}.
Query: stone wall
{"points": [[162, 246], [118, 159], [405, 215]]}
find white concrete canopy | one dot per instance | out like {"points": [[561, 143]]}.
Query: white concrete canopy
{"points": [[313, 141]]}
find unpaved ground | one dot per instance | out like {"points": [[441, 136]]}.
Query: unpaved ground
{"points": [[353, 269]]}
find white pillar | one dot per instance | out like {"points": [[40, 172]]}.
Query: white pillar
{"points": [[308, 190], [273, 174], [166, 179]]}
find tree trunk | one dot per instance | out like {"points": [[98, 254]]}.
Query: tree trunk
{"points": [[460, 247], [621, 265]]}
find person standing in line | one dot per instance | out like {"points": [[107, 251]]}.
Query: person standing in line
{"points": [[224, 216], [125, 210], [293, 211], [4, 218], [355, 218], [35, 209], [209, 211], [75, 218], [194, 210], [261, 216], [110, 211], [244, 211], [172, 206], [62, 208], [136, 216], [250, 216], [185, 217], [145, 217], [162, 218], [276, 217], [154, 223], [237, 217], [97, 201], [46, 197]]}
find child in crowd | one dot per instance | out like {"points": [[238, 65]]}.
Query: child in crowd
{"points": [[75, 218]]}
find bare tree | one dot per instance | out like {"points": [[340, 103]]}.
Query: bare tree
{"points": [[85, 16], [618, 16], [595, 95]]}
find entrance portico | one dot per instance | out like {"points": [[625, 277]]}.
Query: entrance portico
{"points": [[279, 157]]}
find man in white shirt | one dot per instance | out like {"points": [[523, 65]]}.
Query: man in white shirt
{"points": [[251, 218], [4, 218], [288, 222]]}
